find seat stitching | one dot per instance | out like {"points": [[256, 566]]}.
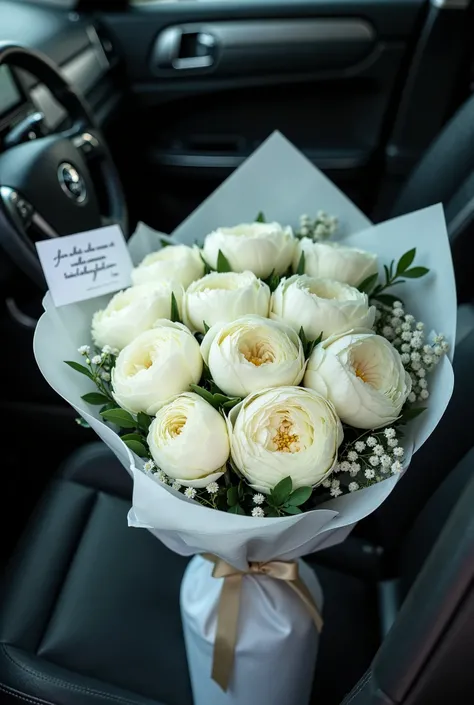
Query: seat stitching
{"points": [[65, 684], [14, 693], [66, 571], [364, 680]]}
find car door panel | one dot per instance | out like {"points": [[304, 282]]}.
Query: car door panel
{"points": [[211, 80]]}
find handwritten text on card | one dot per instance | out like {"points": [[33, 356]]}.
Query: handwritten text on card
{"points": [[85, 265]]}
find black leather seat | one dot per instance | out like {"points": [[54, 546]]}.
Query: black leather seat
{"points": [[445, 175], [90, 612]]}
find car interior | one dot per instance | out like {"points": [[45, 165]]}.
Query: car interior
{"points": [[154, 103]]}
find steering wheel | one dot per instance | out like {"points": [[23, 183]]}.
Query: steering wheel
{"points": [[50, 186]]}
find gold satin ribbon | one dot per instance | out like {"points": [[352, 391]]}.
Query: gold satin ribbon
{"points": [[229, 606]]}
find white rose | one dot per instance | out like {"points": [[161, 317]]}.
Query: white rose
{"points": [[157, 365], [178, 263], [287, 431], [330, 260], [188, 440], [218, 298], [253, 353], [259, 247], [321, 306], [363, 376], [133, 311]]}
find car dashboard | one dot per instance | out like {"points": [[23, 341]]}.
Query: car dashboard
{"points": [[85, 57]]}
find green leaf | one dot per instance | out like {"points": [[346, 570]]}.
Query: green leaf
{"points": [[272, 281], [233, 496], [368, 284], [82, 422], [386, 299], [107, 407], [391, 268], [220, 398], [415, 272], [225, 401], [207, 268], [207, 396], [143, 421], [165, 243], [206, 327], [405, 261], [289, 509], [387, 275], [271, 512], [175, 317], [410, 414], [304, 340], [318, 339], [132, 437], [299, 496], [303, 337], [260, 218], [206, 373], [301, 265], [231, 403], [119, 417], [223, 263], [137, 447], [236, 509], [79, 368], [312, 344], [213, 388], [95, 398], [280, 493]]}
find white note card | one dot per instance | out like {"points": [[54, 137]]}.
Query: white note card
{"points": [[85, 265]]}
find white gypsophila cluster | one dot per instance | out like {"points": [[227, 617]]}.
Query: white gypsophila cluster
{"points": [[319, 229], [408, 336], [212, 488], [369, 459], [258, 512], [334, 487], [100, 363]]}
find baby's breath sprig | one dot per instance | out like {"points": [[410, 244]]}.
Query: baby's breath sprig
{"points": [[407, 335], [318, 229], [370, 458], [213, 495], [98, 367]]}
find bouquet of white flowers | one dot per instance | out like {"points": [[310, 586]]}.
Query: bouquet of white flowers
{"points": [[266, 387]]}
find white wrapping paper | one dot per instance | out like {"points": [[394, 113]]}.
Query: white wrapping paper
{"points": [[279, 181], [273, 629]]}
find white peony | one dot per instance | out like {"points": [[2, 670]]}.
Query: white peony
{"points": [[321, 306], [157, 365], [257, 247], [287, 431], [218, 298], [329, 260], [188, 440], [363, 376], [133, 311], [178, 263], [253, 353]]}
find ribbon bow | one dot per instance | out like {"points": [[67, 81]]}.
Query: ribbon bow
{"points": [[229, 606]]}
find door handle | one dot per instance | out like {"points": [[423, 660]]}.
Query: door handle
{"points": [[181, 49]]}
